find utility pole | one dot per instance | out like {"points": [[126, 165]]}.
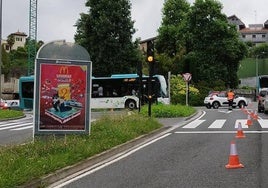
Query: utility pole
{"points": [[151, 61], [32, 36]]}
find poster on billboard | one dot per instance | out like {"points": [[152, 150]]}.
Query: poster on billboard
{"points": [[62, 103]]}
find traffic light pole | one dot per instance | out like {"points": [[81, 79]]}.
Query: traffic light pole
{"points": [[150, 90], [151, 61]]}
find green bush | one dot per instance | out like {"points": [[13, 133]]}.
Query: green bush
{"points": [[169, 111], [178, 91]]}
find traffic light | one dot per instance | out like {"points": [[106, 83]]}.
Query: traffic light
{"points": [[150, 51]]}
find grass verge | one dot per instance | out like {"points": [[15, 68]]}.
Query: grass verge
{"points": [[21, 164], [6, 114]]}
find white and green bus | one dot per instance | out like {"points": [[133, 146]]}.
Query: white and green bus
{"points": [[117, 91], [125, 91]]}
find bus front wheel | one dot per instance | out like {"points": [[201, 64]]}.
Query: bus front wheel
{"points": [[130, 104]]}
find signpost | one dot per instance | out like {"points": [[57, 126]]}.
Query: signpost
{"points": [[62, 89], [187, 78]]}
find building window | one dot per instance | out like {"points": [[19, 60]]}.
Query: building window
{"points": [[18, 39], [253, 36], [243, 36], [7, 48], [263, 36]]}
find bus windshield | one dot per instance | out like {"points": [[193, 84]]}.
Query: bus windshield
{"points": [[163, 86]]}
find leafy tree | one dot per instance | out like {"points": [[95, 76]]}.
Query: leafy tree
{"points": [[18, 64], [261, 51], [106, 32], [215, 43], [10, 40], [171, 38], [198, 39], [5, 62], [170, 43]]}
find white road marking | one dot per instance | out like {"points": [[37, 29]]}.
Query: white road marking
{"points": [[10, 127], [263, 123], [193, 124], [217, 124], [102, 164], [225, 111], [218, 132], [22, 128], [243, 123]]}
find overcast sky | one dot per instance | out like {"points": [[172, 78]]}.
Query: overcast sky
{"points": [[56, 18]]}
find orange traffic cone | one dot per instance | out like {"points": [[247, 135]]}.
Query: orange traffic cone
{"points": [[240, 133], [255, 115], [233, 158], [249, 121]]}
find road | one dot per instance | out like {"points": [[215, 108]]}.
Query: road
{"points": [[16, 131], [188, 155]]}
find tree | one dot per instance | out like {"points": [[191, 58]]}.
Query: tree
{"points": [[18, 62], [106, 32], [10, 40], [5, 62], [261, 51], [215, 44], [170, 43], [171, 38]]}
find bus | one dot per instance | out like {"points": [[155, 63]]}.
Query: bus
{"points": [[26, 92], [263, 82], [116, 91]]}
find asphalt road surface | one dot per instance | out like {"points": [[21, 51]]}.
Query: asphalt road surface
{"points": [[188, 155]]}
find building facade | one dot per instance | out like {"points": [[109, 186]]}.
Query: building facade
{"points": [[19, 41], [255, 33]]}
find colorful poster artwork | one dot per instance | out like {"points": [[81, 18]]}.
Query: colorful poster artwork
{"points": [[62, 97]]}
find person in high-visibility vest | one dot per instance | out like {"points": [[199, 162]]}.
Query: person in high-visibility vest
{"points": [[230, 97]]}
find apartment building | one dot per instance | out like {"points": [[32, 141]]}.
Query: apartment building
{"points": [[256, 33], [19, 41]]}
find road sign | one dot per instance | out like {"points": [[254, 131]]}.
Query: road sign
{"points": [[187, 77]]}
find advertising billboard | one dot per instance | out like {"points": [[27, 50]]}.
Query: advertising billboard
{"points": [[62, 103]]}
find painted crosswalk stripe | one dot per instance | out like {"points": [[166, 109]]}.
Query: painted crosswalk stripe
{"points": [[243, 123], [217, 124], [22, 128], [263, 123], [20, 125], [193, 124], [9, 124]]}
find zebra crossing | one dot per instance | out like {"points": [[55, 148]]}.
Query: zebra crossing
{"points": [[18, 125], [221, 123], [15, 125]]}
